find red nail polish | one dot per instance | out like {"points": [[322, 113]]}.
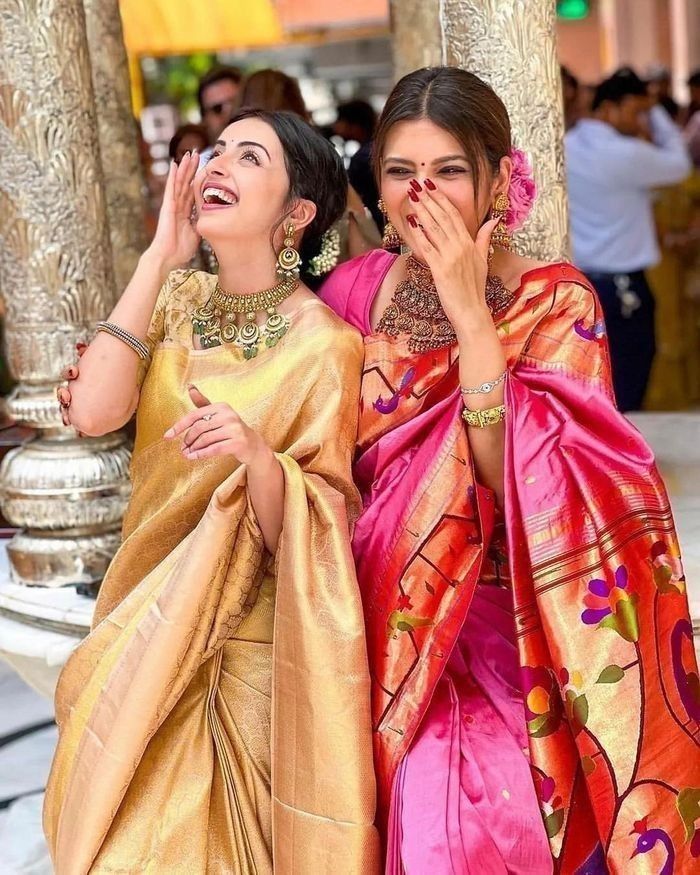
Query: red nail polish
{"points": [[416, 185], [414, 197], [430, 185], [412, 221]]}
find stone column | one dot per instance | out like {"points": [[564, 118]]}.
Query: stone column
{"points": [[510, 44], [117, 132], [57, 280]]}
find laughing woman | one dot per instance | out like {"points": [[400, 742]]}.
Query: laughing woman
{"points": [[535, 691], [216, 720]]}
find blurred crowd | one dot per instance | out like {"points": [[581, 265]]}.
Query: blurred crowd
{"points": [[632, 160], [632, 157]]}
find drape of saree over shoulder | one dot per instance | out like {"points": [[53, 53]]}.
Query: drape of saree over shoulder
{"points": [[192, 738], [605, 681]]}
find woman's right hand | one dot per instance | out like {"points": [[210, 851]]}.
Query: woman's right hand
{"points": [[63, 393], [176, 240]]}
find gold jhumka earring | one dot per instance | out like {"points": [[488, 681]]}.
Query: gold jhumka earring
{"points": [[391, 238], [501, 235], [288, 260]]}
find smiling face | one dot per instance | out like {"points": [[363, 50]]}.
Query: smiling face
{"points": [[419, 148], [242, 191]]}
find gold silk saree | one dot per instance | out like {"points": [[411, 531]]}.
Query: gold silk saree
{"points": [[217, 717]]}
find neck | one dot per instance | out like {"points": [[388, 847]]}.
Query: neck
{"points": [[246, 267]]}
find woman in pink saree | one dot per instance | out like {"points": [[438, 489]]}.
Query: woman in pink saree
{"points": [[535, 691]]}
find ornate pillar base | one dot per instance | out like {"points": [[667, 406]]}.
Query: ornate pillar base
{"points": [[68, 496]]}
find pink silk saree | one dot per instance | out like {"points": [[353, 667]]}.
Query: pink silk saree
{"points": [[535, 693]]}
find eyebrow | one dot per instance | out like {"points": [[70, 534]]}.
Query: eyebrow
{"points": [[442, 160], [245, 143]]}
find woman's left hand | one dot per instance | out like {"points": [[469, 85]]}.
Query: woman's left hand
{"points": [[217, 430], [458, 263]]}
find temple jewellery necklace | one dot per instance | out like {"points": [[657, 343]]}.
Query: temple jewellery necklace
{"points": [[215, 322], [415, 309]]}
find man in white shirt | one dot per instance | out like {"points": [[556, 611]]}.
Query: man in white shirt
{"points": [[614, 161]]}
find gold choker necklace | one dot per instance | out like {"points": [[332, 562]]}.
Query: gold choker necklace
{"points": [[215, 322], [415, 309]]}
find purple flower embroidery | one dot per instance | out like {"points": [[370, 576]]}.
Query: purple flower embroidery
{"points": [[612, 606]]}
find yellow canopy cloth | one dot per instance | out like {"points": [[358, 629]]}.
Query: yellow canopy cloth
{"points": [[180, 27], [170, 758]]}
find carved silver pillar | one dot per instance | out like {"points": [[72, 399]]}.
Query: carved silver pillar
{"points": [[511, 44], [57, 280], [121, 165]]}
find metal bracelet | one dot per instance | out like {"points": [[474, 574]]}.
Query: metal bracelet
{"points": [[486, 387], [138, 346], [484, 418]]}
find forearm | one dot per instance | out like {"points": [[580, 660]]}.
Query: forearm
{"points": [[266, 490], [481, 359], [105, 394]]}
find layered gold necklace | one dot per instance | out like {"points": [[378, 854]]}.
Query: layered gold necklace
{"points": [[415, 309], [216, 322]]}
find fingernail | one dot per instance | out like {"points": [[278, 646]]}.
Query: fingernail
{"points": [[72, 373], [416, 185], [430, 185], [412, 221], [414, 197], [168, 433], [80, 346]]}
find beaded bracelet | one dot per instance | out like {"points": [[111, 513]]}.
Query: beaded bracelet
{"points": [[138, 346]]}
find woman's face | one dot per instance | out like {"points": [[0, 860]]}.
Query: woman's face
{"points": [[242, 191], [421, 149]]}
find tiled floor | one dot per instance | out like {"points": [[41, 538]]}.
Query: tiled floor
{"points": [[26, 748]]}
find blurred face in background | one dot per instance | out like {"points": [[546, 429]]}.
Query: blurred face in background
{"points": [[189, 143], [219, 102], [628, 116]]}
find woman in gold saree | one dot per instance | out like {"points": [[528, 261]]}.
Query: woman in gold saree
{"points": [[216, 720]]}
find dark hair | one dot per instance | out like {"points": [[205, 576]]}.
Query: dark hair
{"points": [[217, 74], [457, 101], [623, 83], [316, 173], [182, 132], [568, 78], [360, 113], [274, 91]]}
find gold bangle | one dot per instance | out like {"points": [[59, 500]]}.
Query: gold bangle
{"points": [[482, 418]]}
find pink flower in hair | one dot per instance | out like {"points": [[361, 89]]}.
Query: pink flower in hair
{"points": [[522, 191]]}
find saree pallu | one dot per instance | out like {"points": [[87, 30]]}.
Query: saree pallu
{"points": [[193, 739], [610, 696]]}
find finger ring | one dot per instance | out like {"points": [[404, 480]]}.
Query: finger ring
{"points": [[208, 416]]}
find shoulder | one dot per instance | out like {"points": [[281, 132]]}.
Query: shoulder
{"points": [[352, 282], [557, 288], [332, 334], [187, 284]]}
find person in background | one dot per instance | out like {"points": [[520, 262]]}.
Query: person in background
{"points": [[356, 121], [187, 138], [218, 96], [660, 87], [275, 92], [355, 232], [692, 115], [570, 89], [612, 171]]}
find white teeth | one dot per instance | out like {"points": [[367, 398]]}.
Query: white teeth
{"points": [[213, 195]]}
